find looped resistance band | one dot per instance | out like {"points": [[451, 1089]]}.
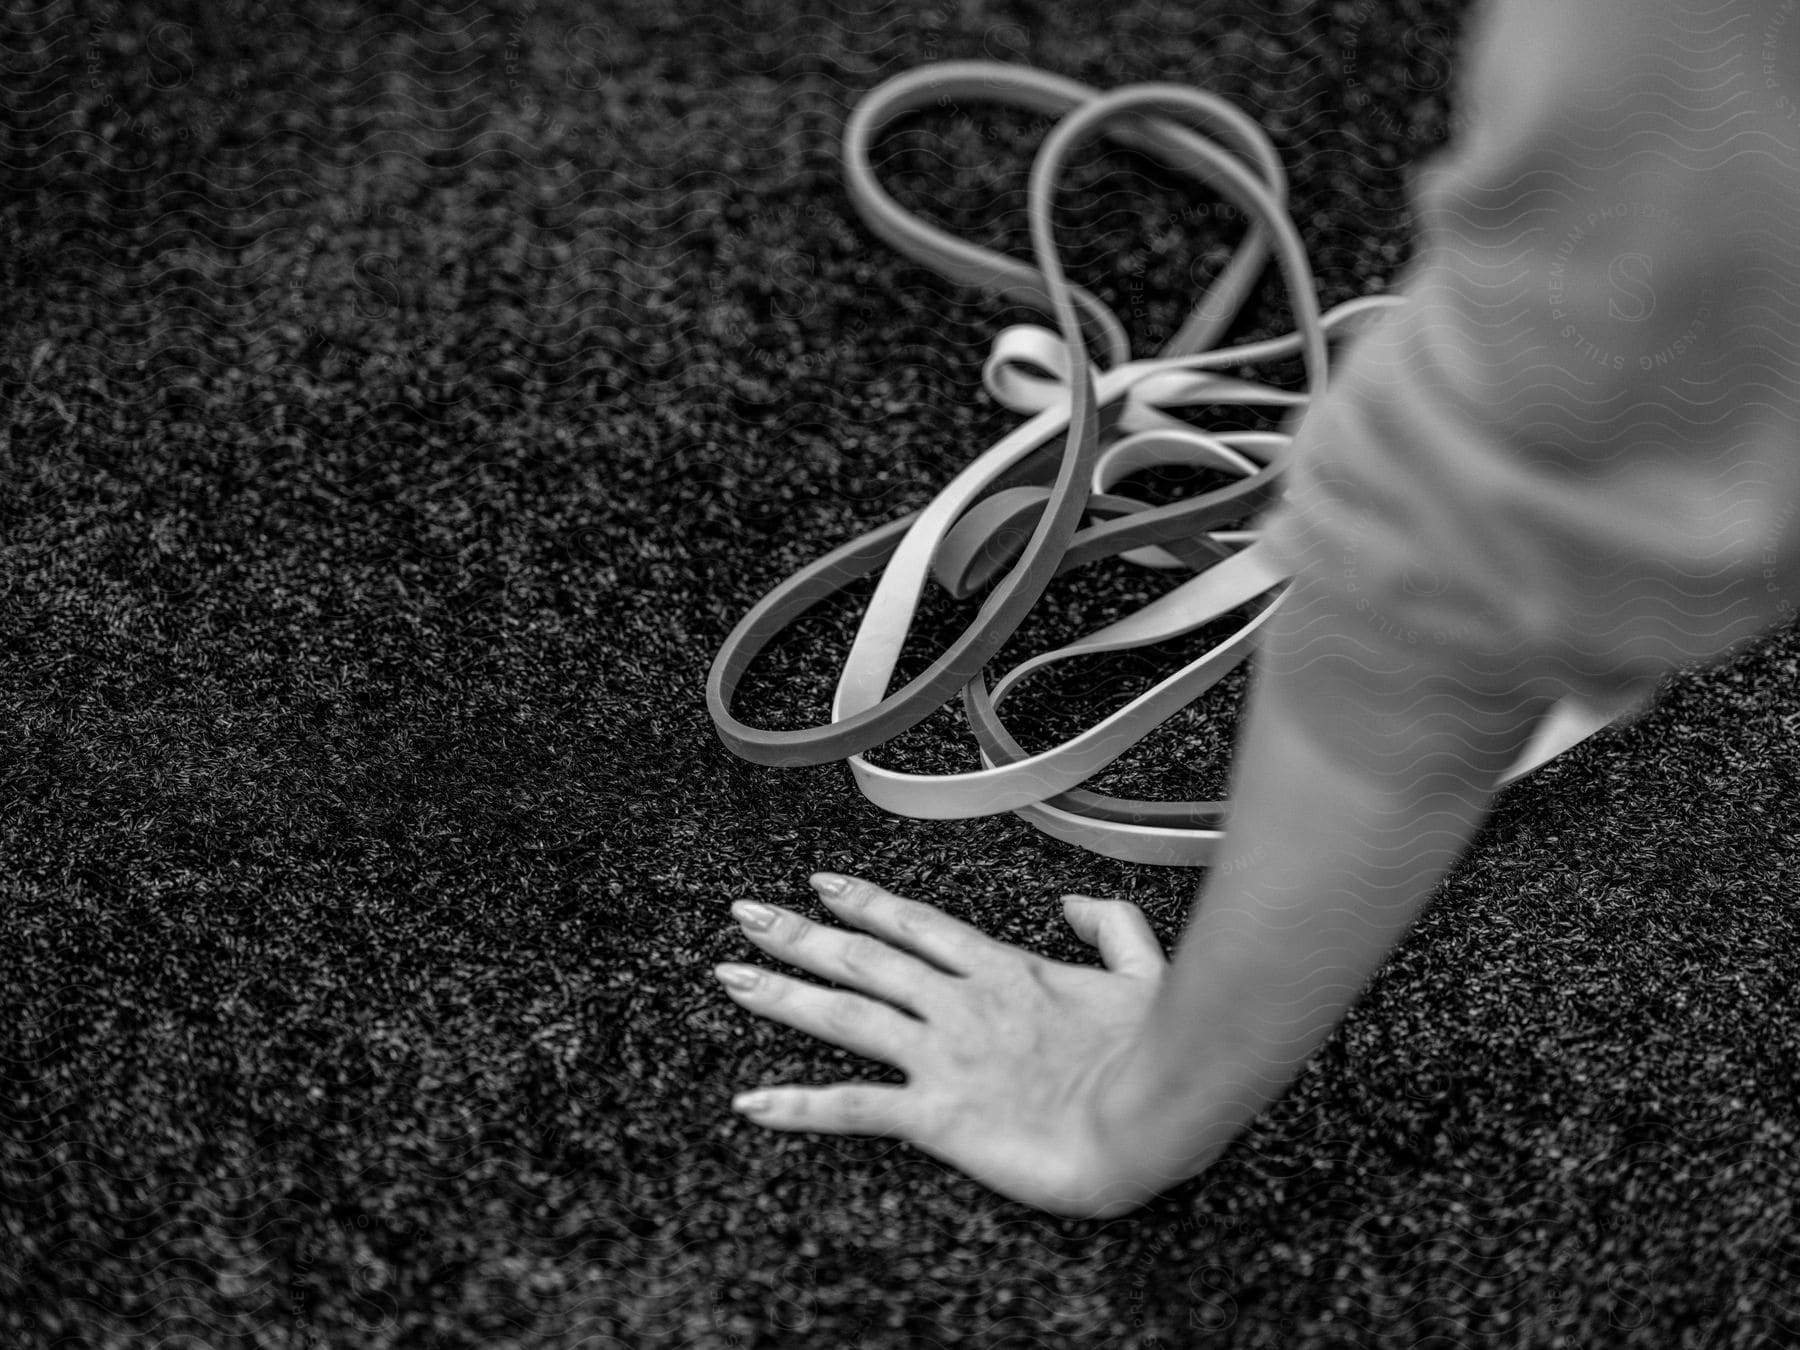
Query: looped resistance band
{"points": [[1023, 513]]}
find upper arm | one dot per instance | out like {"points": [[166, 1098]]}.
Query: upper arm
{"points": [[1572, 458]]}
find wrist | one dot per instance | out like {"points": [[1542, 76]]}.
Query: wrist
{"points": [[1167, 1114]]}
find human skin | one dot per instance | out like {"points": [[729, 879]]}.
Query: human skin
{"points": [[1084, 1091], [1522, 486]]}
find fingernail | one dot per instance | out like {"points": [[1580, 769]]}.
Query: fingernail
{"points": [[750, 1102], [738, 977], [753, 915], [830, 883]]}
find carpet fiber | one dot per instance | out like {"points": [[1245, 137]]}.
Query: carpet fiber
{"points": [[399, 404]]}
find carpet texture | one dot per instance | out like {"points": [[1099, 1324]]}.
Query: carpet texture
{"points": [[399, 404]]}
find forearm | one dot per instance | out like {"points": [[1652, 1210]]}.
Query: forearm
{"points": [[1355, 790], [1486, 515]]}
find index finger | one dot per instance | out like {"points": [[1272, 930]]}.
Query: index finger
{"points": [[924, 930]]}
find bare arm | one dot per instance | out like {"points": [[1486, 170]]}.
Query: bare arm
{"points": [[1339, 838], [1567, 465], [1570, 464]]}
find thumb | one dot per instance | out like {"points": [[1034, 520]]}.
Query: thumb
{"points": [[1119, 930]]}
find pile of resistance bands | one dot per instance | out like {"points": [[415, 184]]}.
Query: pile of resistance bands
{"points": [[1112, 423]]}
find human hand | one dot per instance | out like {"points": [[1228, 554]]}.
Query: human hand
{"points": [[1015, 1063]]}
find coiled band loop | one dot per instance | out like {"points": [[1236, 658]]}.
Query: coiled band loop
{"points": [[1113, 419]]}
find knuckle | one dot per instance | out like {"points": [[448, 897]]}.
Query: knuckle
{"points": [[1034, 977], [911, 922], [858, 1106], [794, 932], [853, 1106], [1029, 967], [860, 894], [857, 956], [844, 1017]]}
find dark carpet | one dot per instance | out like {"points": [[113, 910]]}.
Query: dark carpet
{"points": [[398, 405]]}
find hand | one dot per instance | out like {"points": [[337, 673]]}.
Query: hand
{"points": [[1014, 1062]]}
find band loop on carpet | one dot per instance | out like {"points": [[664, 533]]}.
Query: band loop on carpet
{"points": [[1008, 524]]}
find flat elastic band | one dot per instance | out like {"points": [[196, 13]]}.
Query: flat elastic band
{"points": [[1007, 522]]}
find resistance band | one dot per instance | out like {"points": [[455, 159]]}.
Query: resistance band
{"points": [[1026, 514]]}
